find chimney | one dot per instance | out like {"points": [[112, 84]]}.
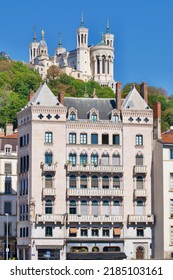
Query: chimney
{"points": [[9, 128], [144, 91], [61, 98], [118, 96], [31, 94], [157, 121]]}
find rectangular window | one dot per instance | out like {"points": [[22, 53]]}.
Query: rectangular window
{"points": [[106, 232], [140, 232], [171, 208], [84, 232], [7, 207], [94, 138], [171, 181], [8, 185], [48, 137], [48, 231], [73, 232], [83, 138], [72, 138], [21, 141], [139, 140], [115, 139], [171, 234], [8, 169], [171, 153], [95, 232], [105, 139], [21, 232]]}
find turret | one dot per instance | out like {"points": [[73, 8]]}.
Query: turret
{"points": [[33, 48]]}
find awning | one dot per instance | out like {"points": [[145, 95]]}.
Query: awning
{"points": [[96, 256], [73, 230], [117, 231]]}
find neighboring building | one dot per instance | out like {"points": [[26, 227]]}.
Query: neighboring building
{"points": [[85, 62], [166, 205], [84, 179], [8, 192]]}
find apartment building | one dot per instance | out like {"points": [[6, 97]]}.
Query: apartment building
{"points": [[8, 192], [84, 184]]}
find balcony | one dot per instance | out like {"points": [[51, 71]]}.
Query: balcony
{"points": [[49, 218], [95, 192], [141, 169], [91, 218], [49, 192], [93, 168], [140, 193], [141, 219], [48, 167]]}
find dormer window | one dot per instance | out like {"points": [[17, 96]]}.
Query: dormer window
{"points": [[94, 117], [8, 150], [72, 116], [115, 118]]}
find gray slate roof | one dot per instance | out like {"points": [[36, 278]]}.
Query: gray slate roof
{"points": [[134, 101], [84, 105]]}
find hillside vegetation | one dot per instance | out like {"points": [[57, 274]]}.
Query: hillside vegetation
{"points": [[17, 79]]}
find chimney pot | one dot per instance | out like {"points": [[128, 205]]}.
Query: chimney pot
{"points": [[118, 96], [144, 91], [61, 98]]}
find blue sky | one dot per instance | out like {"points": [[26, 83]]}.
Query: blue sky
{"points": [[142, 29]]}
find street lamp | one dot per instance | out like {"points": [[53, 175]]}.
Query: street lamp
{"points": [[7, 249]]}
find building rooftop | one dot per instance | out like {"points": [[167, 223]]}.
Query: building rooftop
{"points": [[134, 101], [167, 136]]}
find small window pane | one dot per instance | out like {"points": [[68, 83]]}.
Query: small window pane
{"points": [[94, 138], [48, 137]]}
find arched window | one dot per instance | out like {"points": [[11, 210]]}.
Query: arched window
{"points": [[139, 159], [116, 159], [72, 182], [48, 206], [72, 158], [105, 159], [116, 182], [48, 181], [94, 159], [94, 182], [95, 207], [116, 209], [72, 207], [83, 159], [115, 118], [83, 207], [105, 207], [83, 181], [139, 140], [105, 182], [139, 209], [103, 64], [93, 117], [98, 65], [139, 182], [48, 158]]}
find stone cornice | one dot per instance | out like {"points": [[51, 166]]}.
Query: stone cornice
{"points": [[96, 125]]}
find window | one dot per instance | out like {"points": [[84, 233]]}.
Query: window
{"points": [[94, 159], [115, 118], [94, 207], [84, 207], [105, 159], [106, 232], [171, 208], [116, 182], [94, 182], [105, 139], [116, 159], [117, 231], [48, 181], [139, 159], [73, 209], [171, 181], [116, 209], [83, 181], [72, 158], [72, 232], [84, 232], [48, 137], [105, 182], [171, 234], [139, 140], [83, 138], [48, 231], [8, 150], [139, 207], [8, 169], [8, 185], [94, 117], [7, 207], [48, 158], [72, 182], [83, 159], [94, 138], [72, 116], [72, 138], [48, 206], [139, 182], [171, 153], [105, 207], [95, 232], [115, 139], [140, 232]]}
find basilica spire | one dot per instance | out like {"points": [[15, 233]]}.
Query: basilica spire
{"points": [[35, 36], [107, 27], [60, 40], [82, 21]]}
